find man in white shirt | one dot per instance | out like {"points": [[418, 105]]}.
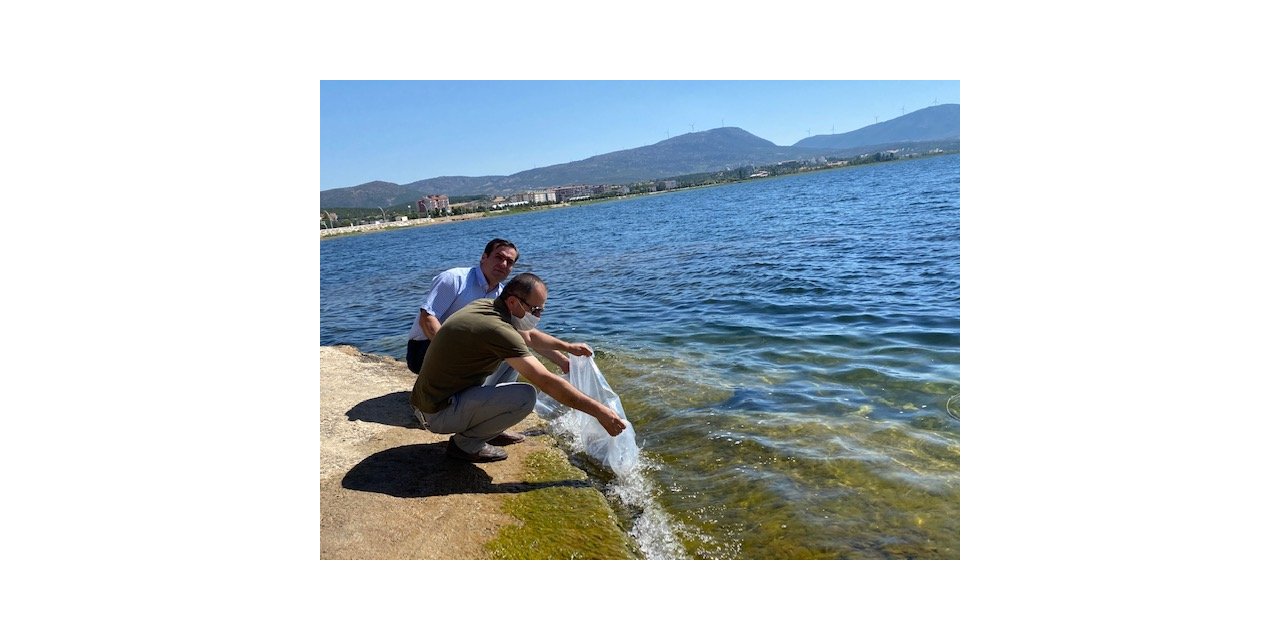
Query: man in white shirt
{"points": [[454, 289], [449, 396]]}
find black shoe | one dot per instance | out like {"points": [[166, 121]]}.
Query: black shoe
{"points": [[505, 438], [487, 453]]}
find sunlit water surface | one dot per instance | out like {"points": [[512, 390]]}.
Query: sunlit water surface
{"points": [[788, 349]]}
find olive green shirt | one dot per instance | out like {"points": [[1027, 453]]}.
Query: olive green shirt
{"points": [[468, 347]]}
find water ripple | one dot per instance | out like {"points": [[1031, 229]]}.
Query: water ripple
{"points": [[786, 348]]}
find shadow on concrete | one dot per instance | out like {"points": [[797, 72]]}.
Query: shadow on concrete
{"points": [[421, 470], [392, 410]]}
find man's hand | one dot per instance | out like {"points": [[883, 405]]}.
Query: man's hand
{"points": [[560, 359], [579, 349], [609, 419], [566, 394]]}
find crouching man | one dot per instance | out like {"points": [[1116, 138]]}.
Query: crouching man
{"points": [[449, 396]]}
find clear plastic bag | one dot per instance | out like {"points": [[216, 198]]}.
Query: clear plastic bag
{"points": [[619, 453]]}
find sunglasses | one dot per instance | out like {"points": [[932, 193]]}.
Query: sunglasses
{"points": [[537, 311]]}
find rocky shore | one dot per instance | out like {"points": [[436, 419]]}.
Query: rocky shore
{"points": [[387, 491]]}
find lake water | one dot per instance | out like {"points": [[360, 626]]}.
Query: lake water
{"points": [[787, 348]]}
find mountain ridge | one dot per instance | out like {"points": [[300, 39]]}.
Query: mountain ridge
{"points": [[939, 122], [695, 152]]}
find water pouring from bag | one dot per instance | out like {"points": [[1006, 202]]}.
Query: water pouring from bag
{"points": [[619, 453]]}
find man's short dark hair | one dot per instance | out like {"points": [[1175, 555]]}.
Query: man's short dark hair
{"points": [[498, 243], [521, 286]]}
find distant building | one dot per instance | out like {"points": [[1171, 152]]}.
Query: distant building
{"points": [[575, 192], [540, 196], [434, 204]]}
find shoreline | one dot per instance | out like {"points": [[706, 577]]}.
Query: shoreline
{"points": [[384, 226], [388, 492], [478, 215]]}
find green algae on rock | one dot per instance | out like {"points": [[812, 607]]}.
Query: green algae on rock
{"points": [[569, 520]]}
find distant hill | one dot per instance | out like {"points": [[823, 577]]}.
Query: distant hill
{"points": [[712, 150], [941, 122], [703, 151]]}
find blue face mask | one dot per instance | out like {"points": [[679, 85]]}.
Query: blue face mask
{"points": [[527, 323]]}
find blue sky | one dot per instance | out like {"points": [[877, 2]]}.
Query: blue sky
{"points": [[403, 131]]}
